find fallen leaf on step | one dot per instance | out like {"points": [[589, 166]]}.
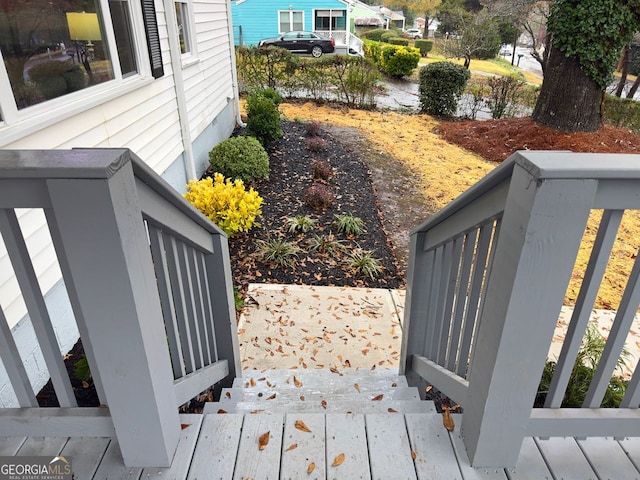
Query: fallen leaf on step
{"points": [[334, 370], [293, 446], [357, 387], [324, 404], [302, 397], [227, 394], [263, 441], [311, 468], [300, 425], [222, 411], [184, 425], [413, 454], [252, 382], [447, 421], [339, 460], [428, 388], [377, 398], [271, 397], [394, 385], [392, 410], [297, 382]]}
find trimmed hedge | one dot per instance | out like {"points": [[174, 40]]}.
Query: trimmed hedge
{"points": [[441, 85], [398, 41], [425, 46], [388, 35], [622, 112], [375, 35], [394, 60]]}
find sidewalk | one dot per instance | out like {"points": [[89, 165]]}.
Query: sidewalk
{"points": [[297, 326]]}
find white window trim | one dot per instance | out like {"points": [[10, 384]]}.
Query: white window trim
{"points": [[290, 12], [190, 57], [17, 124]]}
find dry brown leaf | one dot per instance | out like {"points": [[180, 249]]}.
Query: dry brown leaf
{"points": [[357, 387], [297, 382], [428, 388], [324, 404], [302, 397], [394, 385], [392, 410], [263, 441], [227, 394], [339, 460], [300, 425], [222, 411], [334, 370], [271, 397], [413, 454], [293, 446], [377, 398], [311, 467], [447, 421], [85, 384], [252, 382], [184, 425]]}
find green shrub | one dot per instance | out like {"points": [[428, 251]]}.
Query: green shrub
{"points": [[301, 223], [278, 251], [272, 95], [349, 225], [622, 112], [241, 158], [441, 85], [225, 203], [584, 368], [398, 41], [425, 46], [388, 35], [263, 119], [375, 35], [264, 67], [399, 61]]}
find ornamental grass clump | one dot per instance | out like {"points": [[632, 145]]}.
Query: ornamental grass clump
{"points": [[226, 203]]}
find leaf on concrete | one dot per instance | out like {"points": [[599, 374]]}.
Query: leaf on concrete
{"points": [[263, 441], [339, 460], [300, 425]]}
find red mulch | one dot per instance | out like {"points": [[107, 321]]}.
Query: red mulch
{"points": [[495, 140]]}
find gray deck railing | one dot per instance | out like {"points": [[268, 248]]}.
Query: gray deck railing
{"points": [[487, 279], [148, 278]]}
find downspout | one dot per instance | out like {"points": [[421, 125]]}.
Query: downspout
{"points": [[178, 82], [234, 71]]}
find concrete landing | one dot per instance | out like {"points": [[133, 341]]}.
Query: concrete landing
{"points": [[307, 327]]}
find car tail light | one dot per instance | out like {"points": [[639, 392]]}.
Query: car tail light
{"points": [[333, 43]]}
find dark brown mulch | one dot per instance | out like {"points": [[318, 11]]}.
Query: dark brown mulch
{"points": [[283, 194], [495, 140]]}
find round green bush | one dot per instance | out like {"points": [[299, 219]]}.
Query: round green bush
{"points": [[388, 35], [375, 34], [263, 119], [441, 85], [398, 41], [425, 46], [241, 158]]}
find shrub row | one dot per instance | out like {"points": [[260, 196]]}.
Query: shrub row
{"points": [[394, 60], [350, 80]]}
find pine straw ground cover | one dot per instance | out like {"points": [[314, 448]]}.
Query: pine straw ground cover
{"points": [[436, 153]]}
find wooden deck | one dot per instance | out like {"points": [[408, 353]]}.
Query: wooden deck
{"points": [[375, 446]]}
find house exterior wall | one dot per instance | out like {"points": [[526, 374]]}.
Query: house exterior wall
{"points": [[140, 113], [259, 19]]}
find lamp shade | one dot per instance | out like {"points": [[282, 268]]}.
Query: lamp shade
{"points": [[83, 26]]}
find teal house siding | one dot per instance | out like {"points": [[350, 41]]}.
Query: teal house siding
{"points": [[254, 20]]}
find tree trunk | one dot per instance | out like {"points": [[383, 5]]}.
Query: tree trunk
{"points": [[623, 65], [634, 88], [569, 100]]}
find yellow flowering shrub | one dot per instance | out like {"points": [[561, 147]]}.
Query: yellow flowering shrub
{"points": [[225, 203]]}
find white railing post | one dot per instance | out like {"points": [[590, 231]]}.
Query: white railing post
{"points": [[107, 266], [542, 227]]}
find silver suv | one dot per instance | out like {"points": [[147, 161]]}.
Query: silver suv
{"points": [[413, 33]]}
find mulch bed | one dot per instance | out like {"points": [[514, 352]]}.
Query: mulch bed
{"points": [[283, 194], [496, 140]]}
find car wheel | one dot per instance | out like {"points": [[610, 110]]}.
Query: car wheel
{"points": [[316, 51]]}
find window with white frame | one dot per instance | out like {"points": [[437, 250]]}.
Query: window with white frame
{"points": [[184, 29], [290, 20], [51, 48]]}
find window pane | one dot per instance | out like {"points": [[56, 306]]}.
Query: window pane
{"points": [[121, 19], [183, 29], [284, 22], [51, 49], [298, 24]]}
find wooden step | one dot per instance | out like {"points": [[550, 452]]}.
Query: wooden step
{"points": [[257, 393], [357, 405]]}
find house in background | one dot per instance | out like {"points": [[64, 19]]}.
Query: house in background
{"points": [[157, 77], [390, 17], [365, 17], [254, 20], [431, 29]]}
